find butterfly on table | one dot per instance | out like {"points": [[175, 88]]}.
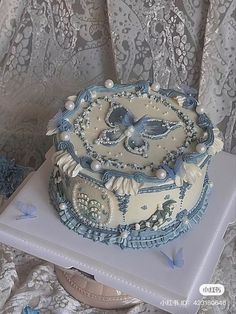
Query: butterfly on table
{"points": [[27, 210], [177, 260]]}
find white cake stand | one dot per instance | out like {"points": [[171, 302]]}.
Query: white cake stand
{"points": [[142, 274]]}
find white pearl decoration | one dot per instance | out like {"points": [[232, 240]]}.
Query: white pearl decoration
{"points": [[137, 226], [155, 228], [70, 105], [129, 131], [185, 220], [155, 86], [200, 109], [154, 217], [211, 184], [109, 83], [65, 136], [95, 165], [160, 174], [201, 148], [62, 206], [124, 234]]}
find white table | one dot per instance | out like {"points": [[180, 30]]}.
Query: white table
{"points": [[143, 274]]}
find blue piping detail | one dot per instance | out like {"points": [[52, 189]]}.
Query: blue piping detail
{"points": [[190, 101], [137, 176], [123, 202]]}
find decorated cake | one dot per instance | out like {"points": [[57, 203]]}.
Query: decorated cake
{"points": [[131, 163]]}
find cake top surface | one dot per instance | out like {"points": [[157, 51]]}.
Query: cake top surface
{"points": [[137, 129], [128, 132]]}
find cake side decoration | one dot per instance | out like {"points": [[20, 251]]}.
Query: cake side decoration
{"points": [[66, 163], [123, 186], [131, 163]]}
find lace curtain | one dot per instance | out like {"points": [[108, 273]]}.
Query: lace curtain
{"points": [[50, 49]]}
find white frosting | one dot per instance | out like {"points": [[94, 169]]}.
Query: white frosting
{"points": [[52, 124], [123, 186], [180, 100], [217, 145], [66, 163], [187, 173]]}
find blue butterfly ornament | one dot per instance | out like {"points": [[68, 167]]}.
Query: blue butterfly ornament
{"points": [[176, 261]]}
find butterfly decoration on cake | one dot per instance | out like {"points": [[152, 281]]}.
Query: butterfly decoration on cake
{"points": [[124, 127], [177, 260]]}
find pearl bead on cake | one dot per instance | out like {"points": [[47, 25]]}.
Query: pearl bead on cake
{"points": [[201, 148], [109, 83], [62, 206], [160, 174], [65, 136], [96, 165], [155, 87], [70, 105], [200, 109]]}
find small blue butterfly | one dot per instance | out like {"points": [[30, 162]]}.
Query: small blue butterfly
{"points": [[27, 210], [176, 261], [28, 310]]}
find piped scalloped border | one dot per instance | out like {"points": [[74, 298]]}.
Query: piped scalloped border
{"points": [[123, 236]]}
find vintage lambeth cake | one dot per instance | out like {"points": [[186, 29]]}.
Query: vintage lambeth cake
{"points": [[131, 162]]}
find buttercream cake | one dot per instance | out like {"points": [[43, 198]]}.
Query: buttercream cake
{"points": [[130, 164]]}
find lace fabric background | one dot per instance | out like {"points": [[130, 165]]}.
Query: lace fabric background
{"points": [[50, 49]]}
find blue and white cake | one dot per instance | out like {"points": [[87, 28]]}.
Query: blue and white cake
{"points": [[131, 161]]}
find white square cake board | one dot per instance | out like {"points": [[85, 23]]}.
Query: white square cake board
{"points": [[143, 273]]}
